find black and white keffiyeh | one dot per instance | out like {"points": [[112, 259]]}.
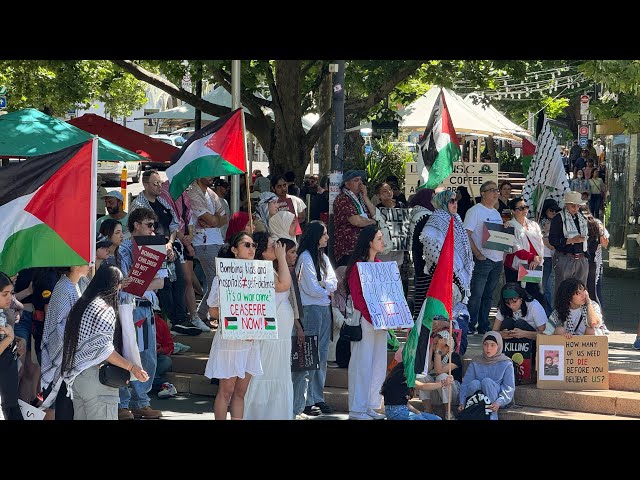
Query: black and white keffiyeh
{"points": [[95, 341], [569, 227]]}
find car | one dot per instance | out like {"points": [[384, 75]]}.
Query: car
{"points": [[111, 171], [185, 132], [174, 140]]}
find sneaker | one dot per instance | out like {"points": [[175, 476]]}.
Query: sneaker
{"points": [[146, 412], [180, 348], [302, 416], [197, 322], [359, 416], [375, 415], [186, 330], [312, 411], [167, 390], [125, 414], [332, 365], [636, 344], [324, 408]]}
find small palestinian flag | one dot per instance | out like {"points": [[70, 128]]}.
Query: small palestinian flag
{"points": [[269, 323], [439, 146], [48, 210], [230, 323], [438, 303], [217, 149], [528, 149], [531, 276], [496, 237]]}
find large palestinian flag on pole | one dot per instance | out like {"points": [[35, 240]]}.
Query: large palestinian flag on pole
{"points": [[217, 149], [439, 146], [438, 303], [48, 209]]}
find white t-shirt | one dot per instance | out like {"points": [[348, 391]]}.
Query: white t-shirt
{"points": [[474, 221], [213, 300], [536, 316], [213, 236]]}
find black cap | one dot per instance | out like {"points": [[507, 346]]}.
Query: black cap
{"points": [[221, 183]]}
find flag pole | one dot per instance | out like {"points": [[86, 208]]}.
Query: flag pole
{"points": [[94, 206], [451, 351], [247, 174]]}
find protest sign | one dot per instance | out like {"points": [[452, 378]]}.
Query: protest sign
{"points": [[305, 356], [496, 237], [247, 299], [383, 292], [470, 174], [398, 220], [30, 412], [149, 254], [522, 352], [577, 363]]}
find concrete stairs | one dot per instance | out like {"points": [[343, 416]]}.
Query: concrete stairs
{"points": [[620, 402]]}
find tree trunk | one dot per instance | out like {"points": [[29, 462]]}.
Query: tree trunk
{"points": [[491, 147], [324, 145]]}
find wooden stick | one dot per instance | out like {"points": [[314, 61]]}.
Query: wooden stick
{"points": [[451, 351]]}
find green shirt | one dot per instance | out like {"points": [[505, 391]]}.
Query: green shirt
{"points": [[123, 221]]}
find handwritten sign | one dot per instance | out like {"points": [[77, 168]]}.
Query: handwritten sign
{"points": [[305, 356], [247, 299], [29, 412], [496, 237], [144, 269], [522, 352], [578, 363], [398, 220], [383, 292]]}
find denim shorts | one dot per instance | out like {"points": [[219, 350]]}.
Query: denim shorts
{"points": [[402, 412], [22, 329]]}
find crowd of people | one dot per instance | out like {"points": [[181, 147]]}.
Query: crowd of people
{"points": [[78, 316]]}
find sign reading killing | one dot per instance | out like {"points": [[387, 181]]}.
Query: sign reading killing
{"points": [[247, 299]]}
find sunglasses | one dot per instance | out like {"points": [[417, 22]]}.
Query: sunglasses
{"points": [[524, 208], [249, 244], [491, 190], [149, 224]]}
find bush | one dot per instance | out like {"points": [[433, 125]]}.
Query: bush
{"points": [[386, 158]]}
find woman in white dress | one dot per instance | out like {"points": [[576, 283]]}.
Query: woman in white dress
{"points": [[270, 396], [233, 362]]}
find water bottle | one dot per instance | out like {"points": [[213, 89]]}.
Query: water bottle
{"points": [[3, 322]]}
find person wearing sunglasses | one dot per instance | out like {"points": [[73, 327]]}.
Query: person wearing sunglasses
{"points": [[519, 315], [233, 362], [528, 248], [487, 263]]}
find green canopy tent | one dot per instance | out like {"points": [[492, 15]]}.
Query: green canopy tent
{"points": [[29, 132]]}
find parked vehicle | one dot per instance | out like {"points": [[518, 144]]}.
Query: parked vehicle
{"points": [[111, 171], [174, 140]]}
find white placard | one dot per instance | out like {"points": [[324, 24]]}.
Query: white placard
{"points": [[29, 412], [247, 299], [382, 290]]}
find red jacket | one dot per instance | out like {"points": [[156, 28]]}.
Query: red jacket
{"points": [[164, 340], [355, 290]]}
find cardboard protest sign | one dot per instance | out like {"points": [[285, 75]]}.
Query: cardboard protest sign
{"points": [[287, 205], [383, 292], [470, 174], [523, 353], [29, 412], [398, 220], [531, 276], [305, 356], [496, 237], [578, 363], [149, 256], [247, 299]]}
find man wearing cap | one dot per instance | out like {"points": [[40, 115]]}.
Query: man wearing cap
{"points": [[568, 234], [208, 216], [114, 202], [352, 211]]}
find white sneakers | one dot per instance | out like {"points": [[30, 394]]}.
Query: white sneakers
{"points": [[197, 322], [375, 415], [167, 390], [359, 416], [180, 348]]}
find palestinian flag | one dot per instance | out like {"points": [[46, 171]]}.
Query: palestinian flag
{"points": [[48, 209], [439, 146], [438, 303], [230, 323], [532, 276], [270, 323], [217, 149], [528, 149]]}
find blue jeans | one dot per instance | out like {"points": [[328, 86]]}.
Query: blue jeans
{"points": [[23, 327], [135, 395], [163, 366], [486, 274], [402, 412], [317, 321], [595, 202], [548, 281]]}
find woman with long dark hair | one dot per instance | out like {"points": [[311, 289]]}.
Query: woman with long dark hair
{"points": [[8, 362], [575, 312], [317, 282], [233, 362], [519, 314], [92, 336], [368, 363], [113, 230]]}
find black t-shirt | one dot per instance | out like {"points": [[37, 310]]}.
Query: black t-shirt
{"points": [[24, 279], [44, 281], [164, 218], [395, 390]]}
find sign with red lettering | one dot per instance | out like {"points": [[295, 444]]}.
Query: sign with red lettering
{"points": [[247, 299], [144, 268]]}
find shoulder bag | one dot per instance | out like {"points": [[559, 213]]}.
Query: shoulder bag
{"points": [[113, 376]]}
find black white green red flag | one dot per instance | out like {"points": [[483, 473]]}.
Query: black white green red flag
{"points": [[216, 149], [48, 209]]}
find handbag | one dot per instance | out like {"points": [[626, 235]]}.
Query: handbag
{"points": [[113, 376], [352, 333]]}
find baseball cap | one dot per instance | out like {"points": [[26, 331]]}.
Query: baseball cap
{"points": [[115, 194], [220, 182]]}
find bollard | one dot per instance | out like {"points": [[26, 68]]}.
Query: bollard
{"points": [[123, 186]]}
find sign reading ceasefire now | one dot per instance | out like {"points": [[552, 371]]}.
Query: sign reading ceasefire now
{"points": [[471, 175]]}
